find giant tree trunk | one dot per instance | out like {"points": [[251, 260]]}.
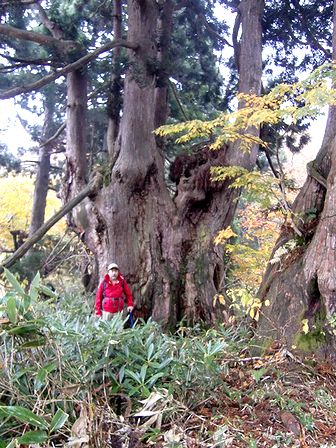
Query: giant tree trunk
{"points": [[303, 284], [164, 245]]}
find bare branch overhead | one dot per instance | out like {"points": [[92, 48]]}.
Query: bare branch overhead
{"points": [[54, 29], [213, 31], [37, 61], [69, 68], [41, 39], [23, 3]]}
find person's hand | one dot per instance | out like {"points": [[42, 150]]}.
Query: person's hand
{"points": [[98, 315], [130, 309]]}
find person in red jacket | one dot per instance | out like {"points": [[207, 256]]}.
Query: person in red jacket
{"points": [[111, 294]]}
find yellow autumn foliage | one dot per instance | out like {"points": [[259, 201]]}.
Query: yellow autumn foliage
{"points": [[305, 326], [16, 201], [223, 235], [249, 254], [285, 102]]}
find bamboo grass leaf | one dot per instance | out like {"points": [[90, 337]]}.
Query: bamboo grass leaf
{"points": [[33, 437], [133, 375], [33, 290], [24, 329], [34, 343], [24, 415], [11, 309], [58, 420], [48, 292], [143, 372], [154, 379], [13, 281]]}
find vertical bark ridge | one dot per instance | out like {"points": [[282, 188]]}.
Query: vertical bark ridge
{"points": [[114, 101]]}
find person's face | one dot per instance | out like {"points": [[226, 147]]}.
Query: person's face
{"points": [[113, 273]]}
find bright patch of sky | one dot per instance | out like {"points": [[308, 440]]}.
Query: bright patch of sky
{"points": [[12, 133]]}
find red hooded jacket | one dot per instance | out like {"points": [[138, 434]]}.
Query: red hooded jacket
{"points": [[111, 297]]}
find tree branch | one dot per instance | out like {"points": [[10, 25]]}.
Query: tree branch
{"points": [[38, 61], [312, 172], [53, 137], [54, 29], [236, 44], [92, 187], [309, 35], [173, 88], [38, 38], [69, 68], [212, 31], [18, 3]]}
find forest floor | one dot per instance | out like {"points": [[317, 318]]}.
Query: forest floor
{"points": [[278, 400]]}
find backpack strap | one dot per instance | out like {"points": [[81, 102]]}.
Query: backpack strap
{"points": [[104, 287]]}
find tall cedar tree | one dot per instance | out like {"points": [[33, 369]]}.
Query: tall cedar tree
{"points": [[301, 288], [164, 245]]}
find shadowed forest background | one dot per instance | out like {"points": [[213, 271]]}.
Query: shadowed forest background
{"points": [[160, 135]]}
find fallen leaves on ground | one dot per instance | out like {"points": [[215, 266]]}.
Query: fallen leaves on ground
{"points": [[289, 402]]}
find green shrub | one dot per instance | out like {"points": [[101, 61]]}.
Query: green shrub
{"points": [[56, 354]]}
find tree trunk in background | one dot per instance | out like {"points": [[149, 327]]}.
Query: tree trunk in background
{"points": [[164, 26], [164, 245], [42, 175], [76, 132], [303, 284], [115, 99]]}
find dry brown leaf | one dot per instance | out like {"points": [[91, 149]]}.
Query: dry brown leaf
{"points": [[291, 423], [327, 430], [205, 411], [70, 390], [325, 368]]}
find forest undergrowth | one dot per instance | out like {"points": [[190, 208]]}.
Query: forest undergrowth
{"points": [[69, 379]]}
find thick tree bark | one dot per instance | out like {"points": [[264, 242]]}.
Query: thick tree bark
{"points": [[76, 154], [76, 132], [208, 211], [42, 176], [164, 245], [303, 284], [165, 25], [115, 98], [136, 205]]}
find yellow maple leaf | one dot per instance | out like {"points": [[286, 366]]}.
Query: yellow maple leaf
{"points": [[305, 326]]}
